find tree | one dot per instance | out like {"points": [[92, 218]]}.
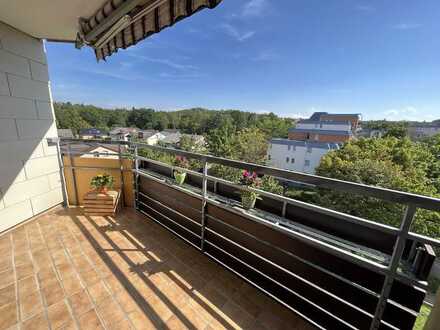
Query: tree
{"points": [[221, 140], [251, 146], [390, 163], [70, 119], [141, 118]]}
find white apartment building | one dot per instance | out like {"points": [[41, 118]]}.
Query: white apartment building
{"points": [[299, 156]]}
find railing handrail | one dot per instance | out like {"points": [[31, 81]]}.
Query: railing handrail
{"points": [[401, 197]]}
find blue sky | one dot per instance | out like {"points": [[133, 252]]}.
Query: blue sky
{"points": [[292, 57]]}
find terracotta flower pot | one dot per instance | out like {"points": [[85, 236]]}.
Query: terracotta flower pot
{"points": [[102, 190]]}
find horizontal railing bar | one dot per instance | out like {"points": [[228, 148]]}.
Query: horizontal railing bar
{"points": [[96, 168], [291, 273], [322, 210], [175, 201], [163, 181], [264, 290], [312, 207], [169, 208], [424, 239], [378, 268], [169, 219], [186, 170], [168, 228], [323, 182], [308, 263], [116, 154], [281, 285], [401, 197]]}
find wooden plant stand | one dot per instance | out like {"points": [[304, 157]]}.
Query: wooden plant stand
{"points": [[103, 204]]}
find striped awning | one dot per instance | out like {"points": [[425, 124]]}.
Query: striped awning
{"points": [[123, 23]]}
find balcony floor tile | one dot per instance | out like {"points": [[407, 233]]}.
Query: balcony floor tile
{"points": [[70, 271]]}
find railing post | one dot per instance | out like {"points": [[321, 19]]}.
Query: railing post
{"points": [[136, 177], [121, 166], [204, 198], [72, 171], [63, 178], [399, 247], [283, 211]]}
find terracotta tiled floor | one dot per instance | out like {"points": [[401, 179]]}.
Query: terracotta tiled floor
{"points": [[68, 271]]}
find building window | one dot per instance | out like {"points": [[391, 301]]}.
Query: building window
{"points": [[292, 160], [307, 162], [268, 157], [288, 147], [309, 150], [307, 136], [287, 159], [316, 137], [320, 125]]}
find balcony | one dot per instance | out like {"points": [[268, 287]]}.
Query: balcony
{"points": [[188, 256], [67, 270]]}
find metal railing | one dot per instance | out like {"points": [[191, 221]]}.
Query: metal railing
{"points": [[411, 202]]}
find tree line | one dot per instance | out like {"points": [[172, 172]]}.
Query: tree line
{"points": [[191, 121]]}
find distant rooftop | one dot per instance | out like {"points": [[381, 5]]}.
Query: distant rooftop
{"points": [[91, 131], [317, 115]]}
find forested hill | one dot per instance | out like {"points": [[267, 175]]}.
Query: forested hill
{"points": [[194, 121]]}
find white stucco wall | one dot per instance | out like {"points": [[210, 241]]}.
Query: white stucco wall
{"points": [[279, 153], [29, 170]]}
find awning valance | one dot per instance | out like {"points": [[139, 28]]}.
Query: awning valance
{"points": [[123, 23]]}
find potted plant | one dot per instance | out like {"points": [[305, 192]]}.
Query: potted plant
{"points": [[102, 182], [249, 197], [181, 162]]}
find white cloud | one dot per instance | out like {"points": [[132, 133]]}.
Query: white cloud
{"points": [[236, 33], [254, 8], [404, 113], [170, 63], [181, 76], [406, 26]]}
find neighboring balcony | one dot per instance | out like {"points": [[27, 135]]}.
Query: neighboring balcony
{"points": [[190, 257]]}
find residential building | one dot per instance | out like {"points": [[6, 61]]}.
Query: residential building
{"points": [[150, 137], [310, 140], [299, 156], [171, 138], [123, 133], [321, 131], [92, 133], [65, 133], [91, 150], [423, 130], [353, 118], [371, 133]]}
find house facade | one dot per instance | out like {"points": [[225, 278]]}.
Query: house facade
{"points": [[423, 130], [299, 156], [311, 139], [322, 131]]}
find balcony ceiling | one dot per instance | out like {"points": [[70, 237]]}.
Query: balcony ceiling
{"points": [[48, 19]]}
